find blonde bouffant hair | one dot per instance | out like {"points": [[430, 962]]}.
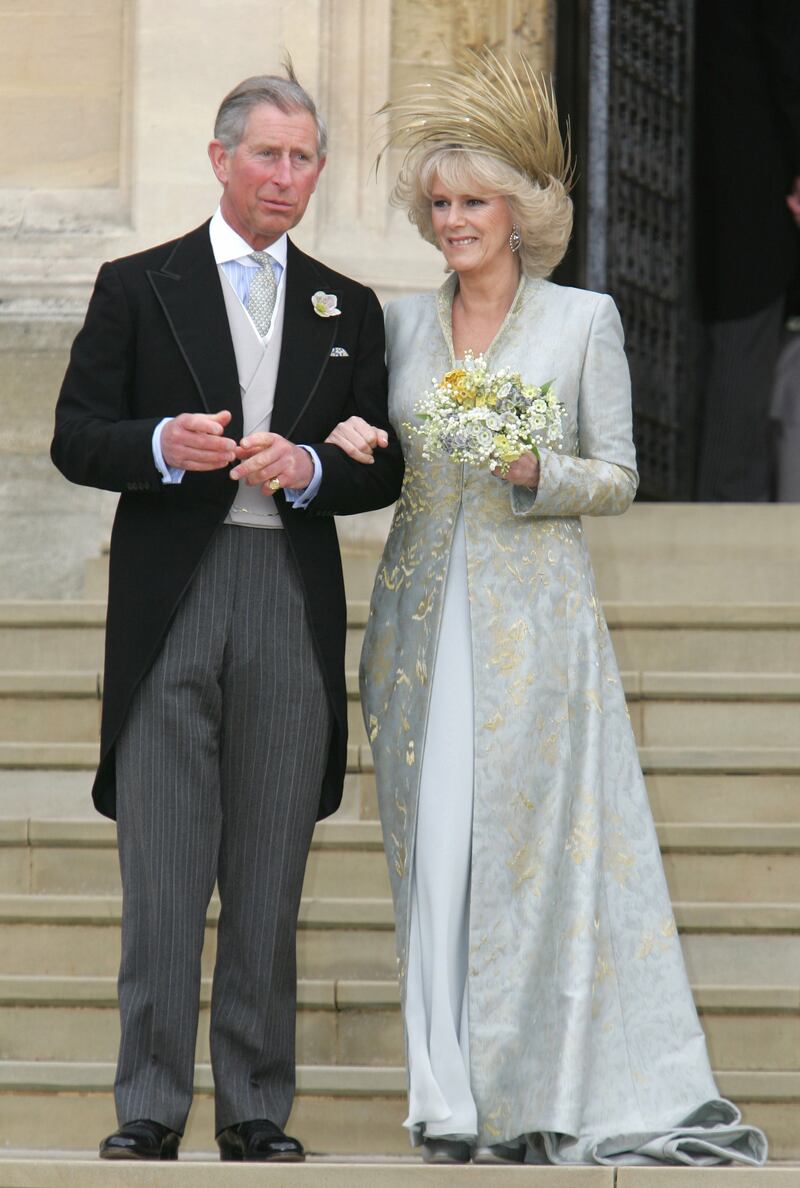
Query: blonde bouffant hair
{"points": [[543, 212]]}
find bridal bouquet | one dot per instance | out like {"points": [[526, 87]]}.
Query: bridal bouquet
{"points": [[487, 418]]}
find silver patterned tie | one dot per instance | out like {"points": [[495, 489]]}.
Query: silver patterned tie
{"points": [[263, 291]]}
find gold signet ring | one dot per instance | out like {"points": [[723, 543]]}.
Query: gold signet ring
{"points": [[274, 484]]}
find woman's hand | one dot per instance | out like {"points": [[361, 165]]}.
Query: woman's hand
{"points": [[358, 439], [524, 472]]}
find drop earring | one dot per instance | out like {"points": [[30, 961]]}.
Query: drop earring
{"points": [[515, 239]]}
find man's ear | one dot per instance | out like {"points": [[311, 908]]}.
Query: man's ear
{"points": [[218, 156]]}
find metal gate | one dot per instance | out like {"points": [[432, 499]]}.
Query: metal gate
{"points": [[625, 76]]}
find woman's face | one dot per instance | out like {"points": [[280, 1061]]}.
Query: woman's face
{"points": [[472, 229]]}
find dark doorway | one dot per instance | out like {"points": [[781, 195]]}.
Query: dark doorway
{"points": [[624, 75]]}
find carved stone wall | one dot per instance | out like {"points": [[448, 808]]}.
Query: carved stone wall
{"points": [[107, 109], [63, 68]]}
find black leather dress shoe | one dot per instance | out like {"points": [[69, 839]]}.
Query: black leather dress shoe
{"points": [[142, 1139], [259, 1141]]}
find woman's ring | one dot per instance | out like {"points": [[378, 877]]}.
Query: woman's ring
{"points": [[274, 484]]}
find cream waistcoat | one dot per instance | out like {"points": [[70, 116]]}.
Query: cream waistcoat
{"points": [[257, 362]]}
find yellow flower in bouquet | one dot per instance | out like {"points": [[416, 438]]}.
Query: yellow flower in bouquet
{"points": [[487, 418]]}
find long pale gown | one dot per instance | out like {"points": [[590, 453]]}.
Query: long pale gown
{"points": [[544, 993]]}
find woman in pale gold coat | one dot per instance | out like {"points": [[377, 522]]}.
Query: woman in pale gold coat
{"points": [[547, 1012]]}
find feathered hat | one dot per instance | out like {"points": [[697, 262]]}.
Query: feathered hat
{"points": [[488, 107]]}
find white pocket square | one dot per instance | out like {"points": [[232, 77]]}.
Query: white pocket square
{"points": [[339, 353]]}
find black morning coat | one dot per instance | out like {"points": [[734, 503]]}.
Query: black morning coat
{"points": [[156, 343], [748, 153]]}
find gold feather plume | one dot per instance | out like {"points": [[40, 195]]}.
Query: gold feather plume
{"points": [[488, 107]]}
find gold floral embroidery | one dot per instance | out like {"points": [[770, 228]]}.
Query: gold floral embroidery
{"points": [[582, 840], [618, 859], [645, 946], [522, 867]]}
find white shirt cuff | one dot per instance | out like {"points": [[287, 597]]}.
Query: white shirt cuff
{"points": [[300, 499], [169, 474]]}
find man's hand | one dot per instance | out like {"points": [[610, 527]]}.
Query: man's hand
{"points": [[196, 441], [358, 438], [793, 201], [270, 461]]}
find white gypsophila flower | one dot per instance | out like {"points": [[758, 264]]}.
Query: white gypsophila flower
{"points": [[485, 419]]}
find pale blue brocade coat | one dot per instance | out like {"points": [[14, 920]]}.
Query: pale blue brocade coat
{"points": [[581, 1017]]}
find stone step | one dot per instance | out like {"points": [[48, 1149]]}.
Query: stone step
{"points": [[376, 1171], [57, 706], [690, 552], [697, 552], [727, 972], [350, 1022], [338, 1022], [648, 636], [715, 709], [58, 756], [681, 553], [728, 960], [724, 796], [78, 1102], [689, 709], [705, 797], [80, 858], [685, 784], [678, 636], [66, 794], [337, 1110], [69, 935], [666, 708], [702, 861], [205, 1171], [44, 635], [705, 636]]}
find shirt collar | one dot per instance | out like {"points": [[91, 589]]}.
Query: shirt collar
{"points": [[227, 244]]}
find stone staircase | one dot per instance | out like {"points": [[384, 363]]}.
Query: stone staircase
{"points": [[710, 651]]}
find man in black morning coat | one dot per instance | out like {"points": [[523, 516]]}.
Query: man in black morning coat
{"points": [[224, 712], [747, 196]]}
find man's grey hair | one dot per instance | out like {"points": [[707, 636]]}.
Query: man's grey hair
{"points": [[284, 93]]}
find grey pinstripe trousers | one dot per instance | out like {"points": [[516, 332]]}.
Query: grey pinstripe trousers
{"points": [[742, 354], [219, 769]]}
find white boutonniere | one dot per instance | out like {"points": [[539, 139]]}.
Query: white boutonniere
{"points": [[325, 305]]}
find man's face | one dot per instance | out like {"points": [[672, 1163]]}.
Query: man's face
{"points": [[269, 177]]}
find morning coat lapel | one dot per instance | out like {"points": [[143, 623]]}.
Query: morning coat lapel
{"points": [[189, 290], [307, 342]]}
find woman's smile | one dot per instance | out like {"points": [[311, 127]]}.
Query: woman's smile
{"points": [[472, 229]]}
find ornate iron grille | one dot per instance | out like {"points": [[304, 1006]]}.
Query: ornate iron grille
{"points": [[632, 128], [649, 222]]}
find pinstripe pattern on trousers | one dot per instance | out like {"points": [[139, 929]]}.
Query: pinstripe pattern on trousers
{"points": [[219, 769]]}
